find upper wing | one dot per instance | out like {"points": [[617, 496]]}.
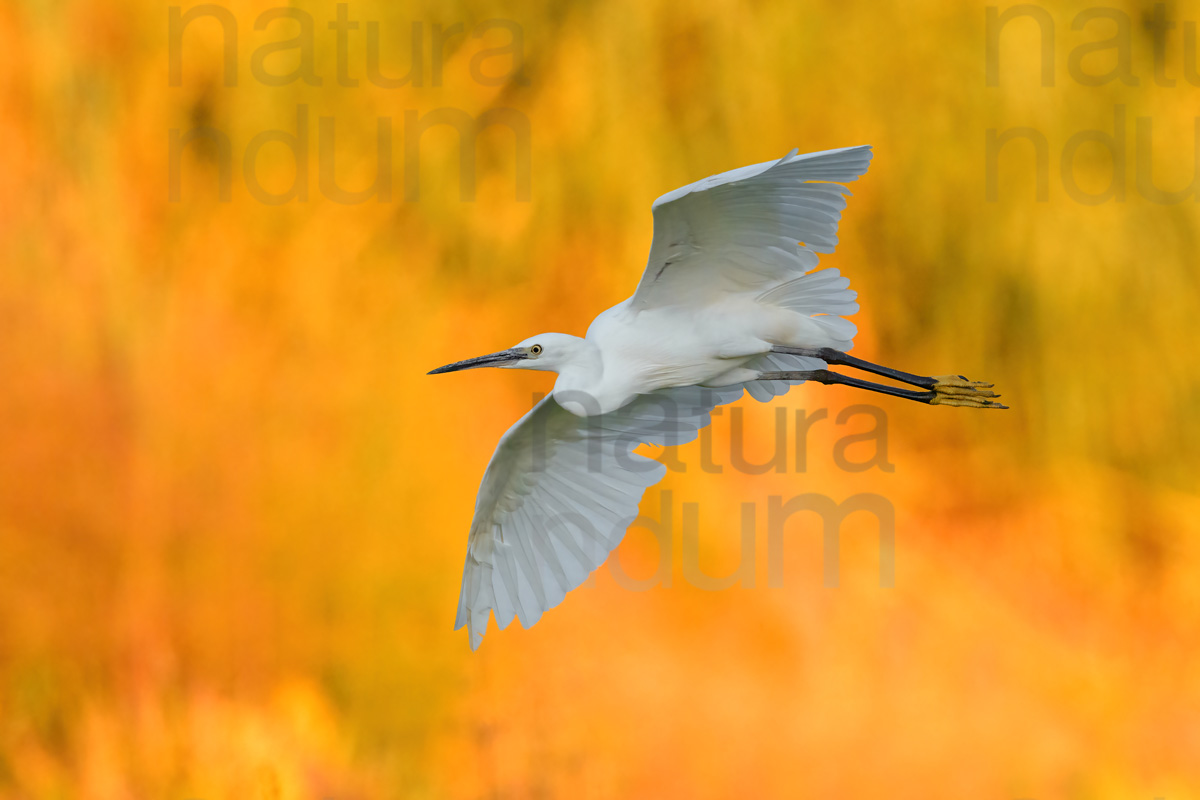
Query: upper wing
{"points": [[557, 497], [749, 229]]}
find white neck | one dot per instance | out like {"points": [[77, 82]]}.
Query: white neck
{"points": [[580, 380]]}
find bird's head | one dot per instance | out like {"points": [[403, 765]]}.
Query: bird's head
{"points": [[549, 352]]}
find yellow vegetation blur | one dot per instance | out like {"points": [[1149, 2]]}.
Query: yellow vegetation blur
{"points": [[233, 507]]}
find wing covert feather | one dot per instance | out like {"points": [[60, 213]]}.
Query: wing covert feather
{"points": [[749, 229]]}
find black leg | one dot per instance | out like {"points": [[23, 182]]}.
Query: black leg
{"points": [[827, 377], [837, 357], [938, 395]]}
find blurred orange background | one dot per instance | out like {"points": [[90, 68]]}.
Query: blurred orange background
{"points": [[233, 507]]}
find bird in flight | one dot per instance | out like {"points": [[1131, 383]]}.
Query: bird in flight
{"points": [[729, 302]]}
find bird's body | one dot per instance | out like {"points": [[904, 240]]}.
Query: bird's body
{"points": [[728, 302], [626, 351]]}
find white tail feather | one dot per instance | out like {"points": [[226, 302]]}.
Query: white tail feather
{"points": [[824, 296]]}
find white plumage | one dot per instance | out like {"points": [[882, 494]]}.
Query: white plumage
{"points": [[728, 284], [557, 497]]}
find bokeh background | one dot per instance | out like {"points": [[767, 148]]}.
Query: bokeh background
{"points": [[233, 507]]}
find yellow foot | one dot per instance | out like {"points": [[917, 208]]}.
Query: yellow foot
{"points": [[956, 390]]}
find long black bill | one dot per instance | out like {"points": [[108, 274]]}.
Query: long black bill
{"points": [[490, 360]]}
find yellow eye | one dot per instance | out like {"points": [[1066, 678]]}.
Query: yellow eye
{"points": [[536, 349]]}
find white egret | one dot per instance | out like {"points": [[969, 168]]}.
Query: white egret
{"points": [[728, 302]]}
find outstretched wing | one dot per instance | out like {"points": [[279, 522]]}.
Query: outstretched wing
{"points": [[557, 497], [750, 229]]}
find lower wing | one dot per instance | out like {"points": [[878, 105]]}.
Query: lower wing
{"points": [[557, 497]]}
